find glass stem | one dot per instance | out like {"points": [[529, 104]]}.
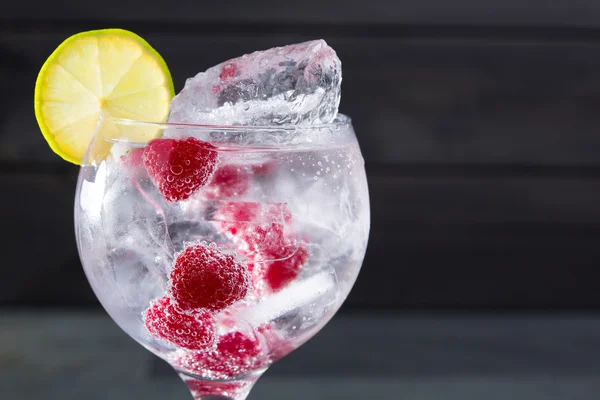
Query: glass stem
{"points": [[234, 389]]}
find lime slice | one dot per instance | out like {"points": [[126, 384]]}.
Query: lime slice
{"points": [[108, 72]]}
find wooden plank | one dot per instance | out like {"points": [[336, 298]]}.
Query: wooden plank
{"points": [[426, 12], [41, 263], [463, 243], [412, 101], [458, 201], [474, 270]]}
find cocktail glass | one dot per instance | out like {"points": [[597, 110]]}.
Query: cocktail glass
{"points": [[289, 203]]}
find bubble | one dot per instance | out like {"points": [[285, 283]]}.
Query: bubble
{"points": [[176, 169], [170, 178]]}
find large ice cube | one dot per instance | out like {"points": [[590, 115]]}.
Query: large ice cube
{"points": [[295, 84]]}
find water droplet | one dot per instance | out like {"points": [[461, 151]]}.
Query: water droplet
{"points": [[315, 177], [176, 169]]}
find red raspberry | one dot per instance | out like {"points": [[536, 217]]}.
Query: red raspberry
{"points": [[236, 354], [259, 231], [228, 71], [133, 159], [180, 167], [278, 346], [206, 277], [201, 388], [279, 273], [228, 181], [265, 168], [189, 332], [256, 228]]}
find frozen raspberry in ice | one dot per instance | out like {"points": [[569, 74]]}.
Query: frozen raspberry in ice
{"points": [[228, 181], [294, 84], [264, 168], [133, 159], [279, 273], [192, 332], [205, 277], [278, 346], [257, 228], [180, 167], [263, 233], [204, 388], [236, 354]]}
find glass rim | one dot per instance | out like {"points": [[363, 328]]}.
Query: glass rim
{"points": [[341, 120]]}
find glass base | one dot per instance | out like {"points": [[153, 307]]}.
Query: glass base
{"points": [[233, 389]]}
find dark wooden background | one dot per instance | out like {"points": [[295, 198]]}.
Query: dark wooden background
{"points": [[478, 121]]}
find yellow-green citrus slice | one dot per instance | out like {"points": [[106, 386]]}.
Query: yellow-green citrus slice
{"points": [[108, 72]]}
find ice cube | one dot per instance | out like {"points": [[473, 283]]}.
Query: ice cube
{"points": [[318, 288], [295, 84]]}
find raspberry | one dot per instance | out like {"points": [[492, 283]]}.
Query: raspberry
{"points": [[189, 332], [228, 71], [236, 354], [228, 181], [264, 168], [279, 273], [206, 277], [179, 167], [259, 233], [278, 346], [133, 159], [201, 388], [257, 228]]}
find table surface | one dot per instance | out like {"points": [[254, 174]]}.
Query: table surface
{"points": [[77, 355]]}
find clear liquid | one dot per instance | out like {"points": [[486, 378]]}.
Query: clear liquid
{"points": [[129, 236]]}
